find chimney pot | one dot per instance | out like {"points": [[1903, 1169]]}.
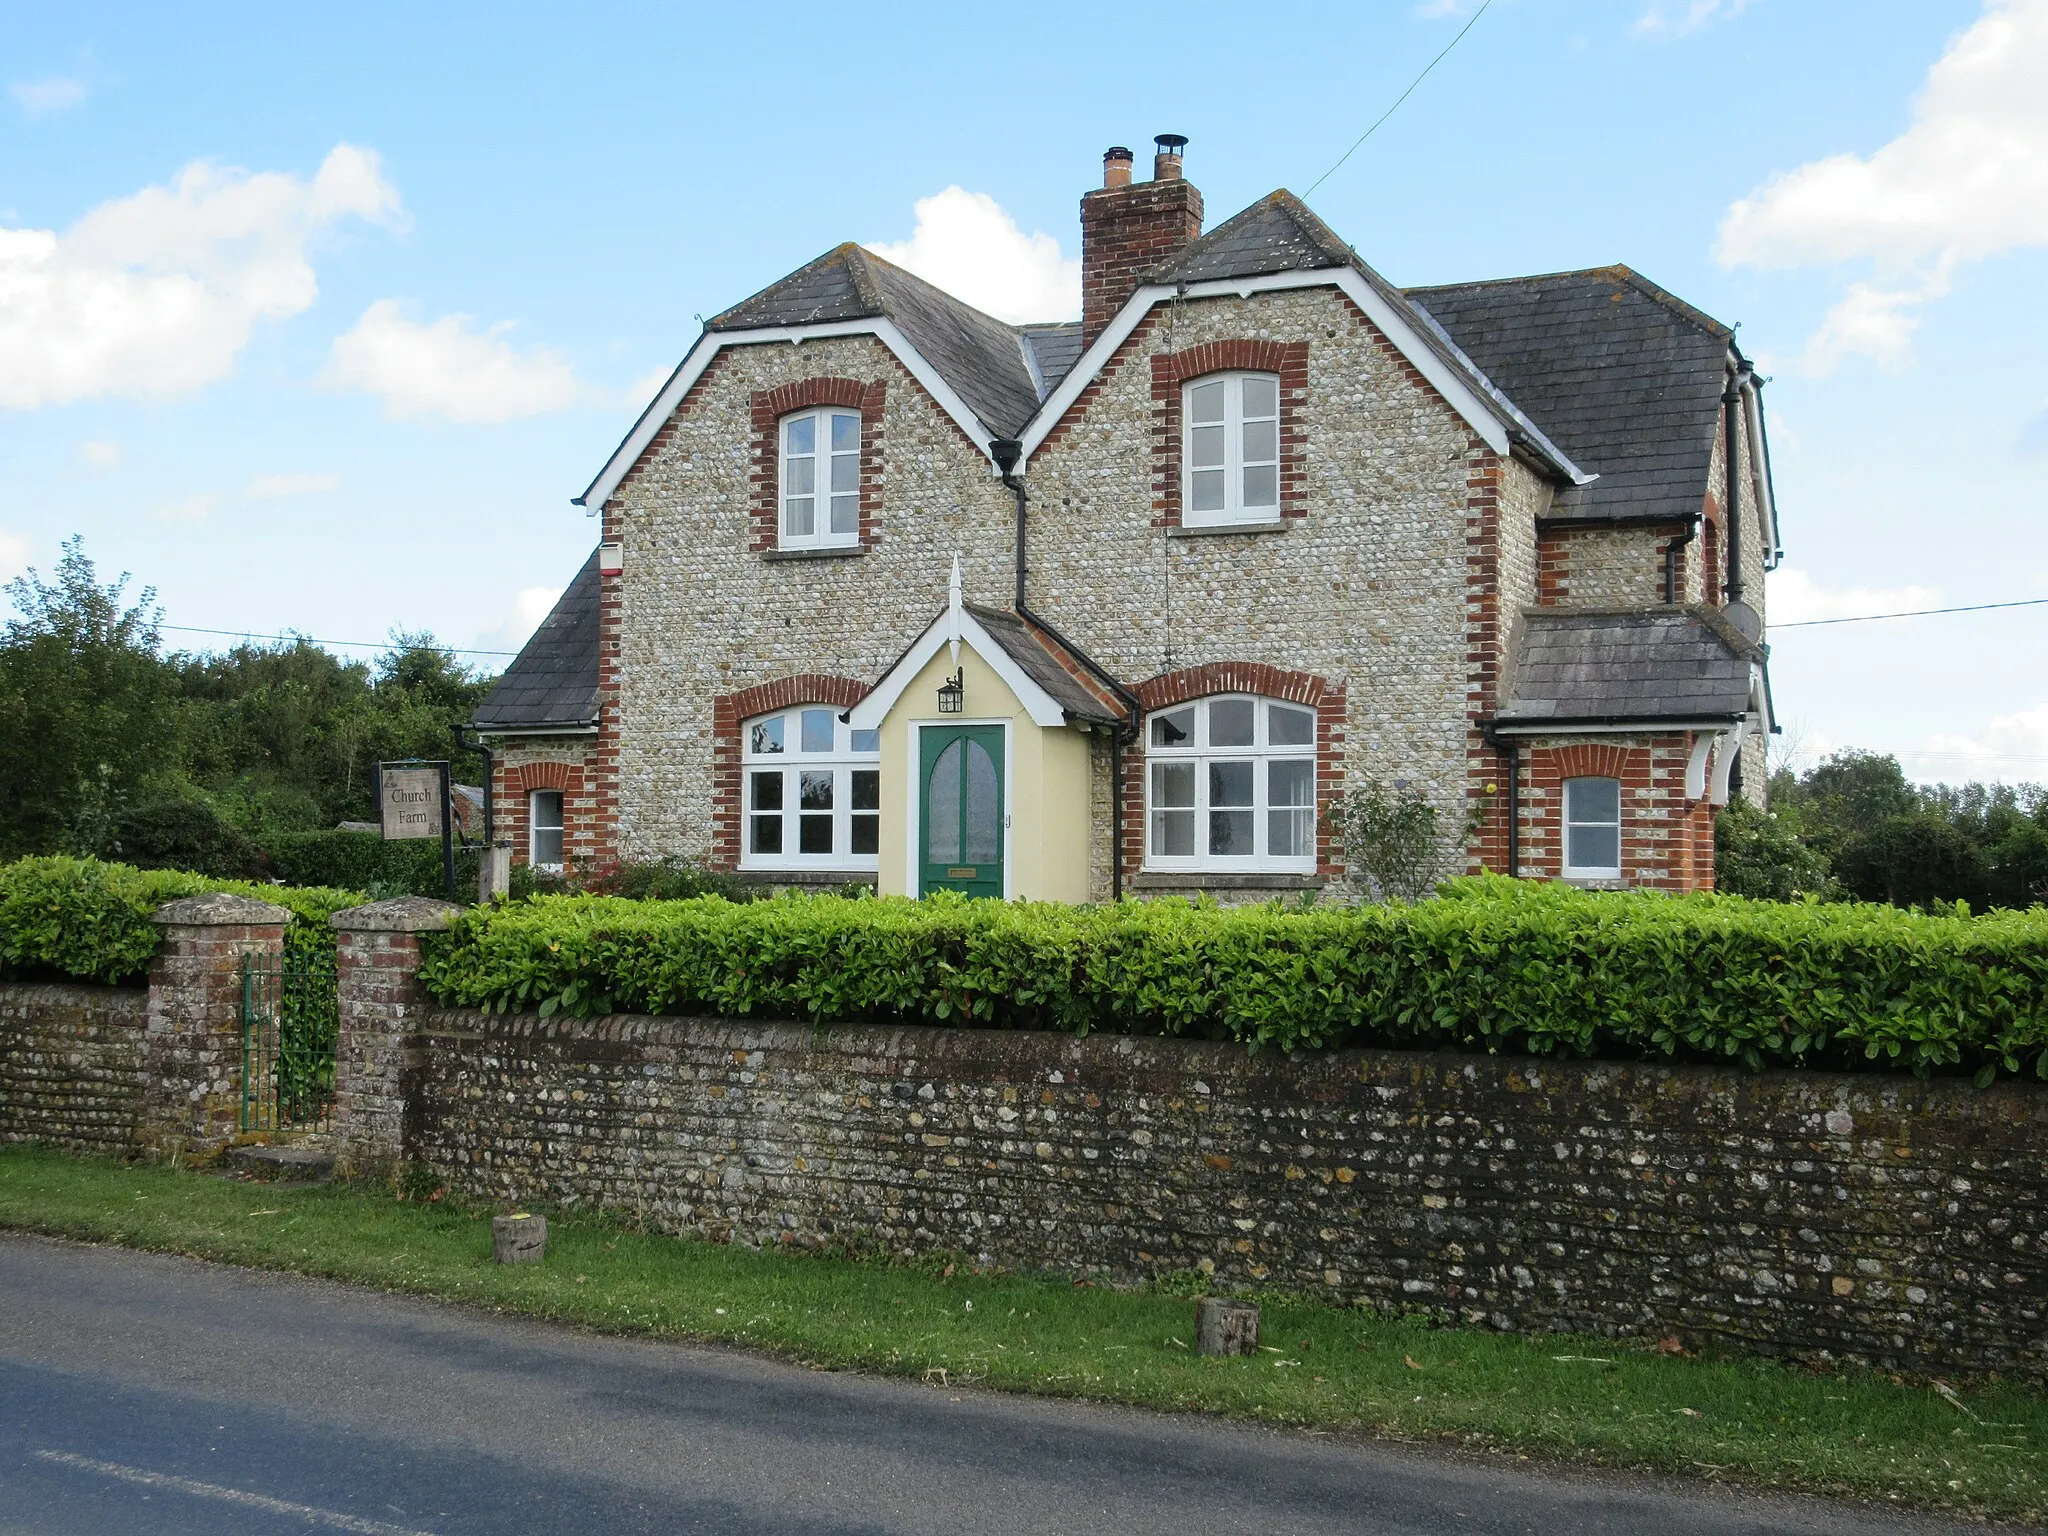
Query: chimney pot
{"points": [[1128, 231], [1166, 165], [1116, 166]]}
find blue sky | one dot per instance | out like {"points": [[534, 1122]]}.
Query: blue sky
{"points": [[316, 321]]}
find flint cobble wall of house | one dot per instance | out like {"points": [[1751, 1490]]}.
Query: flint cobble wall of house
{"points": [[702, 612], [71, 1065], [1890, 1220]]}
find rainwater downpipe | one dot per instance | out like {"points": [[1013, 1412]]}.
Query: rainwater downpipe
{"points": [[1006, 452], [1511, 749], [1671, 554], [1731, 516]]}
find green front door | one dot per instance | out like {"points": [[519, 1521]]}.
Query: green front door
{"points": [[960, 825]]}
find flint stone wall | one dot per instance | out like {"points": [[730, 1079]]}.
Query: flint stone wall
{"points": [[71, 1065], [1888, 1220]]}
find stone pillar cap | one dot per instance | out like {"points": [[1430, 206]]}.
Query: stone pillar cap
{"points": [[401, 914], [219, 909]]}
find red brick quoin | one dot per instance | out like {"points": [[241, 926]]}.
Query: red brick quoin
{"points": [[1256, 677], [770, 406], [729, 711], [1170, 370]]}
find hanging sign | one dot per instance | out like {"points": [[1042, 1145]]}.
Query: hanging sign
{"points": [[411, 801]]}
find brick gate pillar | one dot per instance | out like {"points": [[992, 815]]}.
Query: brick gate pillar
{"points": [[192, 1040], [377, 956]]}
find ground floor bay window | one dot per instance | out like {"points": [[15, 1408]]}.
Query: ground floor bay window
{"points": [[1230, 787], [812, 790]]}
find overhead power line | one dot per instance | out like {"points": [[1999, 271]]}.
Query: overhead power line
{"points": [[357, 645], [1432, 64], [1914, 613]]}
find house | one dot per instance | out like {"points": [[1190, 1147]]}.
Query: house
{"points": [[888, 590]]}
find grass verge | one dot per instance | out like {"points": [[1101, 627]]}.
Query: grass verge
{"points": [[1553, 1397]]}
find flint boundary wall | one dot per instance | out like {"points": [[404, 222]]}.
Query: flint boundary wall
{"points": [[71, 1065], [1888, 1220]]}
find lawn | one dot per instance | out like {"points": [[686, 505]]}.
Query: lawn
{"points": [[1552, 1397]]}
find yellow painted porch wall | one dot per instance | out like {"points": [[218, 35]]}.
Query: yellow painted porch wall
{"points": [[1046, 783]]}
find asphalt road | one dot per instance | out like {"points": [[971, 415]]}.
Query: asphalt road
{"points": [[145, 1395]]}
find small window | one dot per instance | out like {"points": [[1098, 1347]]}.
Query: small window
{"points": [[1231, 785], [544, 829], [813, 790], [820, 479], [1592, 829], [1231, 424]]}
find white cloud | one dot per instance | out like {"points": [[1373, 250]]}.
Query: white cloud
{"points": [[1967, 180], [513, 631], [155, 295], [269, 487], [448, 369], [643, 389], [1794, 597], [37, 97], [189, 509], [100, 454], [968, 245], [1682, 16], [2011, 747], [14, 552]]}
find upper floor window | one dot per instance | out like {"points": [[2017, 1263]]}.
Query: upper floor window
{"points": [[1230, 784], [1231, 424], [1592, 829], [544, 829], [820, 479], [813, 792]]}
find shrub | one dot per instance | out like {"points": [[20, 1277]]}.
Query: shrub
{"points": [[84, 920], [1500, 966], [188, 835], [1757, 853], [364, 861], [670, 879]]}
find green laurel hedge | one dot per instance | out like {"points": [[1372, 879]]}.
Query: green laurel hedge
{"points": [[1496, 966], [84, 920]]}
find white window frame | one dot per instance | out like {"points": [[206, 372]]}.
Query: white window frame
{"points": [[840, 761], [1567, 821], [1235, 462], [1261, 754], [534, 828], [823, 460]]}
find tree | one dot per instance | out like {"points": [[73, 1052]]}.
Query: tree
{"points": [[86, 716], [1760, 854]]}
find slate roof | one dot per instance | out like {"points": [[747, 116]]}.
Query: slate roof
{"points": [[1050, 665], [1668, 664], [552, 682], [1622, 376], [975, 353], [1054, 350]]}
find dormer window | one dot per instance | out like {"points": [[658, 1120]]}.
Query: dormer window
{"points": [[1231, 473], [820, 479]]}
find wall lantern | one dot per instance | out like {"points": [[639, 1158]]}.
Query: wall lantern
{"points": [[952, 694]]}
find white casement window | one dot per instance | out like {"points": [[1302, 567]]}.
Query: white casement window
{"points": [[1231, 424], [813, 788], [1230, 785], [1592, 829], [544, 829], [820, 479]]}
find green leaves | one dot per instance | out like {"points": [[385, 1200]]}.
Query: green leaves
{"points": [[1495, 965]]}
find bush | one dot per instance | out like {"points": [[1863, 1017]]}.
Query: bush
{"points": [[670, 879], [84, 920], [1500, 966], [1757, 853], [364, 861], [188, 835]]}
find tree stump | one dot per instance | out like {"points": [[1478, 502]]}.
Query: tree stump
{"points": [[519, 1239], [1224, 1327]]}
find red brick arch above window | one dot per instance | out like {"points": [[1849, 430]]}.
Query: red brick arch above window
{"points": [[771, 405], [729, 711], [1170, 370], [1231, 677], [527, 777], [1587, 761]]}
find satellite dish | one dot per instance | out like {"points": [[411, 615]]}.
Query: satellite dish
{"points": [[1745, 619]]}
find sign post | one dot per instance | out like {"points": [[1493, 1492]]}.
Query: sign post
{"points": [[413, 803]]}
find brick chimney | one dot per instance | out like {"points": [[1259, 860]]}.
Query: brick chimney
{"points": [[1127, 228]]}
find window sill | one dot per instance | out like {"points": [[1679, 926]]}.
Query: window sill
{"points": [[1210, 530], [1197, 880], [825, 552], [808, 877]]}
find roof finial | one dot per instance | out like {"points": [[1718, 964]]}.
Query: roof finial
{"points": [[953, 611]]}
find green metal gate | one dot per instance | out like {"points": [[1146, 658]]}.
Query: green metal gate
{"points": [[290, 1022]]}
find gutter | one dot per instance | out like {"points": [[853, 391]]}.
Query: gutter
{"points": [[1612, 724]]}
